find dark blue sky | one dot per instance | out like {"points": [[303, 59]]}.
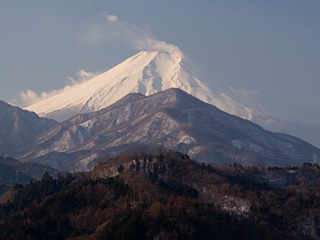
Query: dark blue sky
{"points": [[266, 50]]}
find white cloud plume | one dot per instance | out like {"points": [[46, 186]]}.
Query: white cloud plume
{"points": [[82, 76], [115, 30], [151, 44], [30, 97]]}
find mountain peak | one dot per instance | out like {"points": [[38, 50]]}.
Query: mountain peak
{"points": [[147, 72]]}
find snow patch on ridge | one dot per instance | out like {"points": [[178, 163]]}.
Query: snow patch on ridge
{"points": [[186, 139]]}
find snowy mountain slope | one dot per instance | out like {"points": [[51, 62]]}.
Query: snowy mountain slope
{"points": [[171, 118], [19, 127], [147, 73]]}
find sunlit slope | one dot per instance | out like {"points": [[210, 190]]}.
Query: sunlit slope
{"points": [[147, 73]]}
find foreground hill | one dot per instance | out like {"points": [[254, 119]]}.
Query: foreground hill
{"points": [[164, 195], [171, 118]]}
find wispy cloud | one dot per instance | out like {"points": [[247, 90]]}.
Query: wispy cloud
{"points": [[111, 18], [151, 44], [244, 94], [246, 97], [29, 97], [113, 29], [82, 76]]}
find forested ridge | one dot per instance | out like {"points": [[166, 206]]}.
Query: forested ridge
{"points": [[165, 195]]}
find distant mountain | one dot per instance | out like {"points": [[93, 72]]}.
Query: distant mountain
{"points": [[306, 131], [171, 118], [13, 171], [146, 73], [19, 127]]}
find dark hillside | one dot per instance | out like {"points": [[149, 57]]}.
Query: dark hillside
{"points": [[165, 195]]}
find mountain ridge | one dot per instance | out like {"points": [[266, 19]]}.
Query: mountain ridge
{"points": [[172, 118]]}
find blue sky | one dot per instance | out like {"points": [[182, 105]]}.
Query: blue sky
{"points": [[267, 50]]}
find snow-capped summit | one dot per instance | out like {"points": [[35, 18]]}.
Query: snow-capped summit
{"points": [[147, 72]]}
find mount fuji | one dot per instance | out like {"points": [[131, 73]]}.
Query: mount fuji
{"points": [[147, 72]]}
